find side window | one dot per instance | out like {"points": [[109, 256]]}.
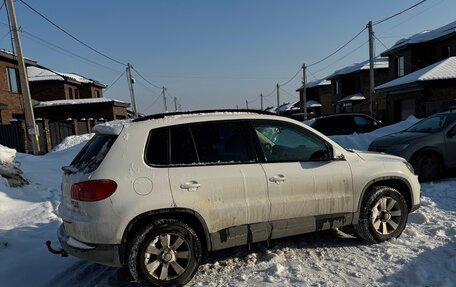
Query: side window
{"points": [[286, 142], [361, 121], [222, 142], [182, 147], [344, 122], [157, 147]]}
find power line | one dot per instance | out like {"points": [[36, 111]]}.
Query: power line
{"points": [[300, 69], [340, 48], [397, 55], [153, 102], [399, 13], [343, 57], [70, 35], [147, 81], [62, 50], [113, 83]]}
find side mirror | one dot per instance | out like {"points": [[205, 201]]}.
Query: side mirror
{"points": [[452, 132]]}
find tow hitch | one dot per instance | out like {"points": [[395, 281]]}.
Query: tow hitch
{"points": [[62, 252]]}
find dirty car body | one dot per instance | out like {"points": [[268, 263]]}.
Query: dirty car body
{"points": [[156, 193]]}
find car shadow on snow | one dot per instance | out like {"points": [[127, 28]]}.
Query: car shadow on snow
{"points": [[90, 274], [433, 267]]}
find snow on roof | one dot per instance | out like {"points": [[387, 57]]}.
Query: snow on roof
{"points": [[321, 82], [77, 102], [443, 70], [424, 36], [10, 55], [270, 109], [379, 63], [313, 104], [36, 74], [355, 97], [284, 107]]}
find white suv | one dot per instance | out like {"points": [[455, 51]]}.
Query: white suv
{"points": [[155, 193]]}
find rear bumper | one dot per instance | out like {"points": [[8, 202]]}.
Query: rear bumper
{"points": [[106, 254]]}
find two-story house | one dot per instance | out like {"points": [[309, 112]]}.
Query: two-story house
{"points": [[11, 100], [429, 87], [319, 97], [61, 96], [350, 88]]}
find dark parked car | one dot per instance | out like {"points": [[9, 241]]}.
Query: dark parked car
{"points": [[429, 145], [345, 124]]}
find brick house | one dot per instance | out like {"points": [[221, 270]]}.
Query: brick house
{"points": [[350, 88], [59, 96], [48, 85], [420, 95], [320, 97], [11, 100]]}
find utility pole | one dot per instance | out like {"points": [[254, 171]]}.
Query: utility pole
{"points": [[131, 81], [261, 100], [304, 92], [278, 96], [25, 89], [371, 69], [175, 104], [247, 104], [237, 107], [164, 99]]}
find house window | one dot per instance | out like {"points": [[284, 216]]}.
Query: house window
{"points": [[446, 52], [337, 87], [70, 93], [76, 93], [97, 93], [13, 80], [400, 66]]}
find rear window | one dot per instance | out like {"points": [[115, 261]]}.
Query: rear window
{"points": [[93, 153]]}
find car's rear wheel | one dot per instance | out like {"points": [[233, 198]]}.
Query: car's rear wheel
{"points": [[165, 253], [428, 167], [383, 215]]}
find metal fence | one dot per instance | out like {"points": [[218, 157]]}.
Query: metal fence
{"points": [[12, 136]]}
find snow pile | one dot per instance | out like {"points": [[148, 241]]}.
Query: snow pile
{"points": [[72, 141], [362, 141], [9, 168]]}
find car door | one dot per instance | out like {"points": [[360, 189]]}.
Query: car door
{"points": [[450, 144], [308, 190], [214, 170]]}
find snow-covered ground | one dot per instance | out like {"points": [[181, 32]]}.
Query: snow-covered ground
{"points": [[425, 255]]}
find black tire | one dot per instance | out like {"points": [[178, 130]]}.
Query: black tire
{"points": [[165, 253], [428, 166], [383, 215]]}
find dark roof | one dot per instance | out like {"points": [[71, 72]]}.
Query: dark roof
{"points": [[11, 56]]}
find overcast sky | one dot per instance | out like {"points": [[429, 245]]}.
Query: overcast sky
{"points": [[213, 53]]}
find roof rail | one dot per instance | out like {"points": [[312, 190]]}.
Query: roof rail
{"points": [[162, 115]]}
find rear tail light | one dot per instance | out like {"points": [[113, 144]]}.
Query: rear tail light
{"points": [[93, 190]]}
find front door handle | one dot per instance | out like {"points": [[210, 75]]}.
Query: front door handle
{"points": [[191, 185], [280, 178]]}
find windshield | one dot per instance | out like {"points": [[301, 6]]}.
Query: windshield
{"points": [[433, 124]]}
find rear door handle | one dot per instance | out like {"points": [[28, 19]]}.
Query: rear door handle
{"points": [[280, 178], [191, 185]]}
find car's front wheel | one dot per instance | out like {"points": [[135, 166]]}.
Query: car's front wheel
{"points": [[165, 253], [428, 167], [383, 215]]}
